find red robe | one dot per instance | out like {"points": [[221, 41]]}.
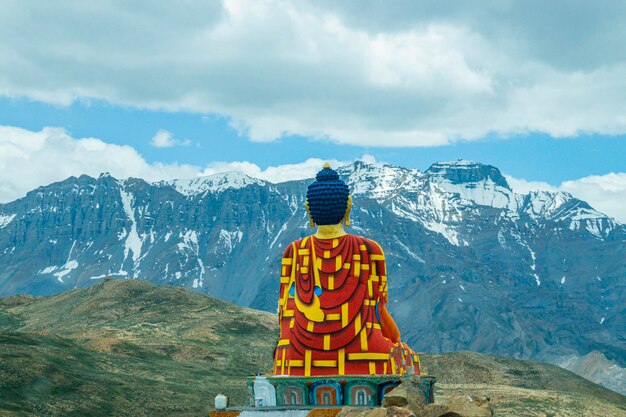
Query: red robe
{"points": [[332, 314]]}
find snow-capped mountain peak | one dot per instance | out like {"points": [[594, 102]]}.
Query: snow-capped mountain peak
{"points": [[466, 172], [482, 184], [216, 183], [379, 180]]}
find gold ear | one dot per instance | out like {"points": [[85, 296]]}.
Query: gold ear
{"points": [[311, 222], [346, 216]]}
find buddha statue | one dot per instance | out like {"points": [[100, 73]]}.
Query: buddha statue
{"points": [[333, 297]]}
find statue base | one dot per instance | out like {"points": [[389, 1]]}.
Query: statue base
{"points": [[325, 391]]}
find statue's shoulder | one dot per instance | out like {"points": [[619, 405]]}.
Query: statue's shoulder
{"points": [[371, 246], [288, 253]]}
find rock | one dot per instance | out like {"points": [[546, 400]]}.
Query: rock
{"points": [[359, 412], [466, 406], [406, 395], [394, 411], [435, 410], [378, 412], [406, 400]]}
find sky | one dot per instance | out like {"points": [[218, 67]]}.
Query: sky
{"points": [[273, 88]]}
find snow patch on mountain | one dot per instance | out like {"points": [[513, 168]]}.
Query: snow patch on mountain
{"points": [[6, 219], [282, 229], [446, 231], [228, 239], [409, 251], [595, 223], [133, 242], [545, 203], [48, 270], [66, 269], [189, 241], [60, 271]]}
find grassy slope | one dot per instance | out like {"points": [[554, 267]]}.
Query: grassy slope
{"points": [[128, 347], [523, 388], [131, 348]]}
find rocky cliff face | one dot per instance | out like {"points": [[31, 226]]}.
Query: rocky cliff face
{"points": [[472, 265]]}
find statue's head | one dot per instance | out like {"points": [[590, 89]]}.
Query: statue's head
{"points": [[328, 199]]}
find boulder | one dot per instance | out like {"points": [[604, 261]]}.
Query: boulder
{"points": [[392, 411], [406, 395], [461, 406], [407, 400], [361, 412]]}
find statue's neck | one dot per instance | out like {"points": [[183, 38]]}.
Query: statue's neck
{"points": [[330, 231]]}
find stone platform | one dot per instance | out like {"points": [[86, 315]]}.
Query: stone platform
{"points": [[279, 411]]}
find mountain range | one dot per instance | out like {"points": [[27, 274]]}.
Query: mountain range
{"points": [[472, 265]]}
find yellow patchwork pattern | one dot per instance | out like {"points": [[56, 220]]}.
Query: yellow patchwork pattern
{"points": [[372, 368], [357, 324], [364, 346], [325, 363], [326, 342], [307, 363], [367, 356], [341, 359]]}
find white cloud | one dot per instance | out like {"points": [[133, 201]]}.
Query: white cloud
{"points": [[164, 139], [605, 193], [354, 72], [30, 159], [523, 186]]}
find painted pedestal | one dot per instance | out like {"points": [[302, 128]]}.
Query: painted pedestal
{"points": [[288, 396]]}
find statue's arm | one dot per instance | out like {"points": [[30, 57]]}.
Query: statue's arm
{"points": [[388, 325], [285, 279]]}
